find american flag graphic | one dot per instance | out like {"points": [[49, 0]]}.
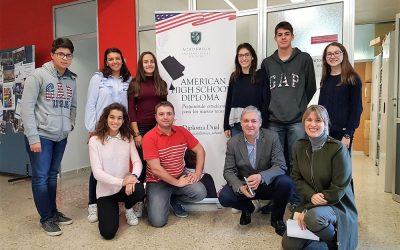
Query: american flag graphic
{"points": [[50, 91], [60, 91], [167, 21]]}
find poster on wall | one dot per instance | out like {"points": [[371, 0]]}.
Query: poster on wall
{"points": [[196, 52], [15, 65]]}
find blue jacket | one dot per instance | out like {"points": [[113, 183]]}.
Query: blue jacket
{"points": [[102, 92]]}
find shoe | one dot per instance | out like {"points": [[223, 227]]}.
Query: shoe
{"points": [[279, 226], [92, 213], [235, 211], [179, 210], [61, 219], [245, 218], [138, 209], [131, 218], [51, 228]]}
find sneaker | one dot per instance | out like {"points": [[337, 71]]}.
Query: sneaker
{"points": [[179, 210], [61, 219], [92, 211], [131, 218], [235, 211], [138, 209], [51, 228]]}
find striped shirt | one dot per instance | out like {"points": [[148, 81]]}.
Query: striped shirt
{"points": [[169, 149]]}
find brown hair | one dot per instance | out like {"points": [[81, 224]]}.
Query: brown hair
{"points": [[238, 69], [159, 84], [347, 75], [164, 104], [102, 127]]}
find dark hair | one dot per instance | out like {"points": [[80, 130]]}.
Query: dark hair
{"points": [[102, 127], [124, 69], [159, 84], [164, 104], [284, 25], [347, 75], [238, 69], [62, 43]]}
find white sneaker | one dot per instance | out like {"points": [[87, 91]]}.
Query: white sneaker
{"points": [[235, 211], [138, 209], [92, 210], [131, 218]]}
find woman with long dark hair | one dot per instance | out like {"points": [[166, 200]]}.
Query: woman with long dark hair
{"points": [[246, 87], [145, 91], [112, 150], [107, 86], [340, 93]]}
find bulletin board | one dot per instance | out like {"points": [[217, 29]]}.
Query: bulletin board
{"points": [[15, 65]]}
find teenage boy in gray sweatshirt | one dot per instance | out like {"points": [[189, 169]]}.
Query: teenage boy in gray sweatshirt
{"points": [[292, 83], [48, 109]]}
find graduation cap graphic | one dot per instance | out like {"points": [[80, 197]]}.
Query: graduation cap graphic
{"points": [[174, 68]]}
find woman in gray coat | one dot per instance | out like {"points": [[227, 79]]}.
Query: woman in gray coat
{"points": [[322, 175]]}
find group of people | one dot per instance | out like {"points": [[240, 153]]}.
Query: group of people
{"points": [[278, 150]]}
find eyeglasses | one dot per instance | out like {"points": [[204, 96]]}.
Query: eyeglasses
{"points": [[247, 55], [62, 55], [335, 54]]}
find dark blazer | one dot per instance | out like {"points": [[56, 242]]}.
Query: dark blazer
{"points": [[270, 161]]}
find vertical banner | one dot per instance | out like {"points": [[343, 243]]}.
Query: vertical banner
{"points": [[195, 52]]}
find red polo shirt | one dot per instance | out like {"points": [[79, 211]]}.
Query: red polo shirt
{"points": [[170, 149]]}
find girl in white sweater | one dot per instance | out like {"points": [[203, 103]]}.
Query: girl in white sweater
{"points": [[112, 151]]}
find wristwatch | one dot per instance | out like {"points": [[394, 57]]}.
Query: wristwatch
{"points": [[346, 136]]}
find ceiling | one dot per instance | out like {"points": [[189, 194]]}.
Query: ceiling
{"points": [[367, 11], [376, 11]]}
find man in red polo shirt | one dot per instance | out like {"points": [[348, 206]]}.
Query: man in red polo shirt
{"points": [[168, 185]]}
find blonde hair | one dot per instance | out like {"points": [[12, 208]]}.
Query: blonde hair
{"points": [[321, 112]]}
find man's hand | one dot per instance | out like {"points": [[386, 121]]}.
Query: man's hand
{"points": [[318, 199], [194, 177], [243, 190], [184, 180], [36, 147], [254, 181]]}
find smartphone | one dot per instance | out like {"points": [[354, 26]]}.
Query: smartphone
{"points": [[248, 188]]}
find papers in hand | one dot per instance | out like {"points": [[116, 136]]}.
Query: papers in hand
{"points": [[294, 230]]}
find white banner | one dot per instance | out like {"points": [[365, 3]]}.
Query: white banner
{"points": [[196, 52]]}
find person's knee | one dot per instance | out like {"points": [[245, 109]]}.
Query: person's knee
{"points": [[157, 220], [313, 220], [108, 233], [224, 198], [285, 184], [199, 192]]}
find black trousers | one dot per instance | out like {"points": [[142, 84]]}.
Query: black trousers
{"points": [[143, 129], [108, 209]]}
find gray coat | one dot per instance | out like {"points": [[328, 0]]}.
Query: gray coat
{"points": [[328, 171], [270, 161]]}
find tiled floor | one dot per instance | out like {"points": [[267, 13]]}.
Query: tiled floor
{"points": [[379, 221]]}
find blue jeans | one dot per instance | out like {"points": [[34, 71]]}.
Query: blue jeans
{"points": [[320, 220], [45, 166], [290, 133]]}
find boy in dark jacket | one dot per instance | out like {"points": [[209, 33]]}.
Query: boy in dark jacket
{"points": [[292, 83]]}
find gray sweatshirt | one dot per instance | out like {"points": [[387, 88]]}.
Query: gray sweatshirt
{"points": [[48, 104]]}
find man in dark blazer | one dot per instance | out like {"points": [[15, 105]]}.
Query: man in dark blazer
{"points": [[256, 154]]}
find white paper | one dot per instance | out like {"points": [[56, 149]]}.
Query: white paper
{"points": [[294, 230]]}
